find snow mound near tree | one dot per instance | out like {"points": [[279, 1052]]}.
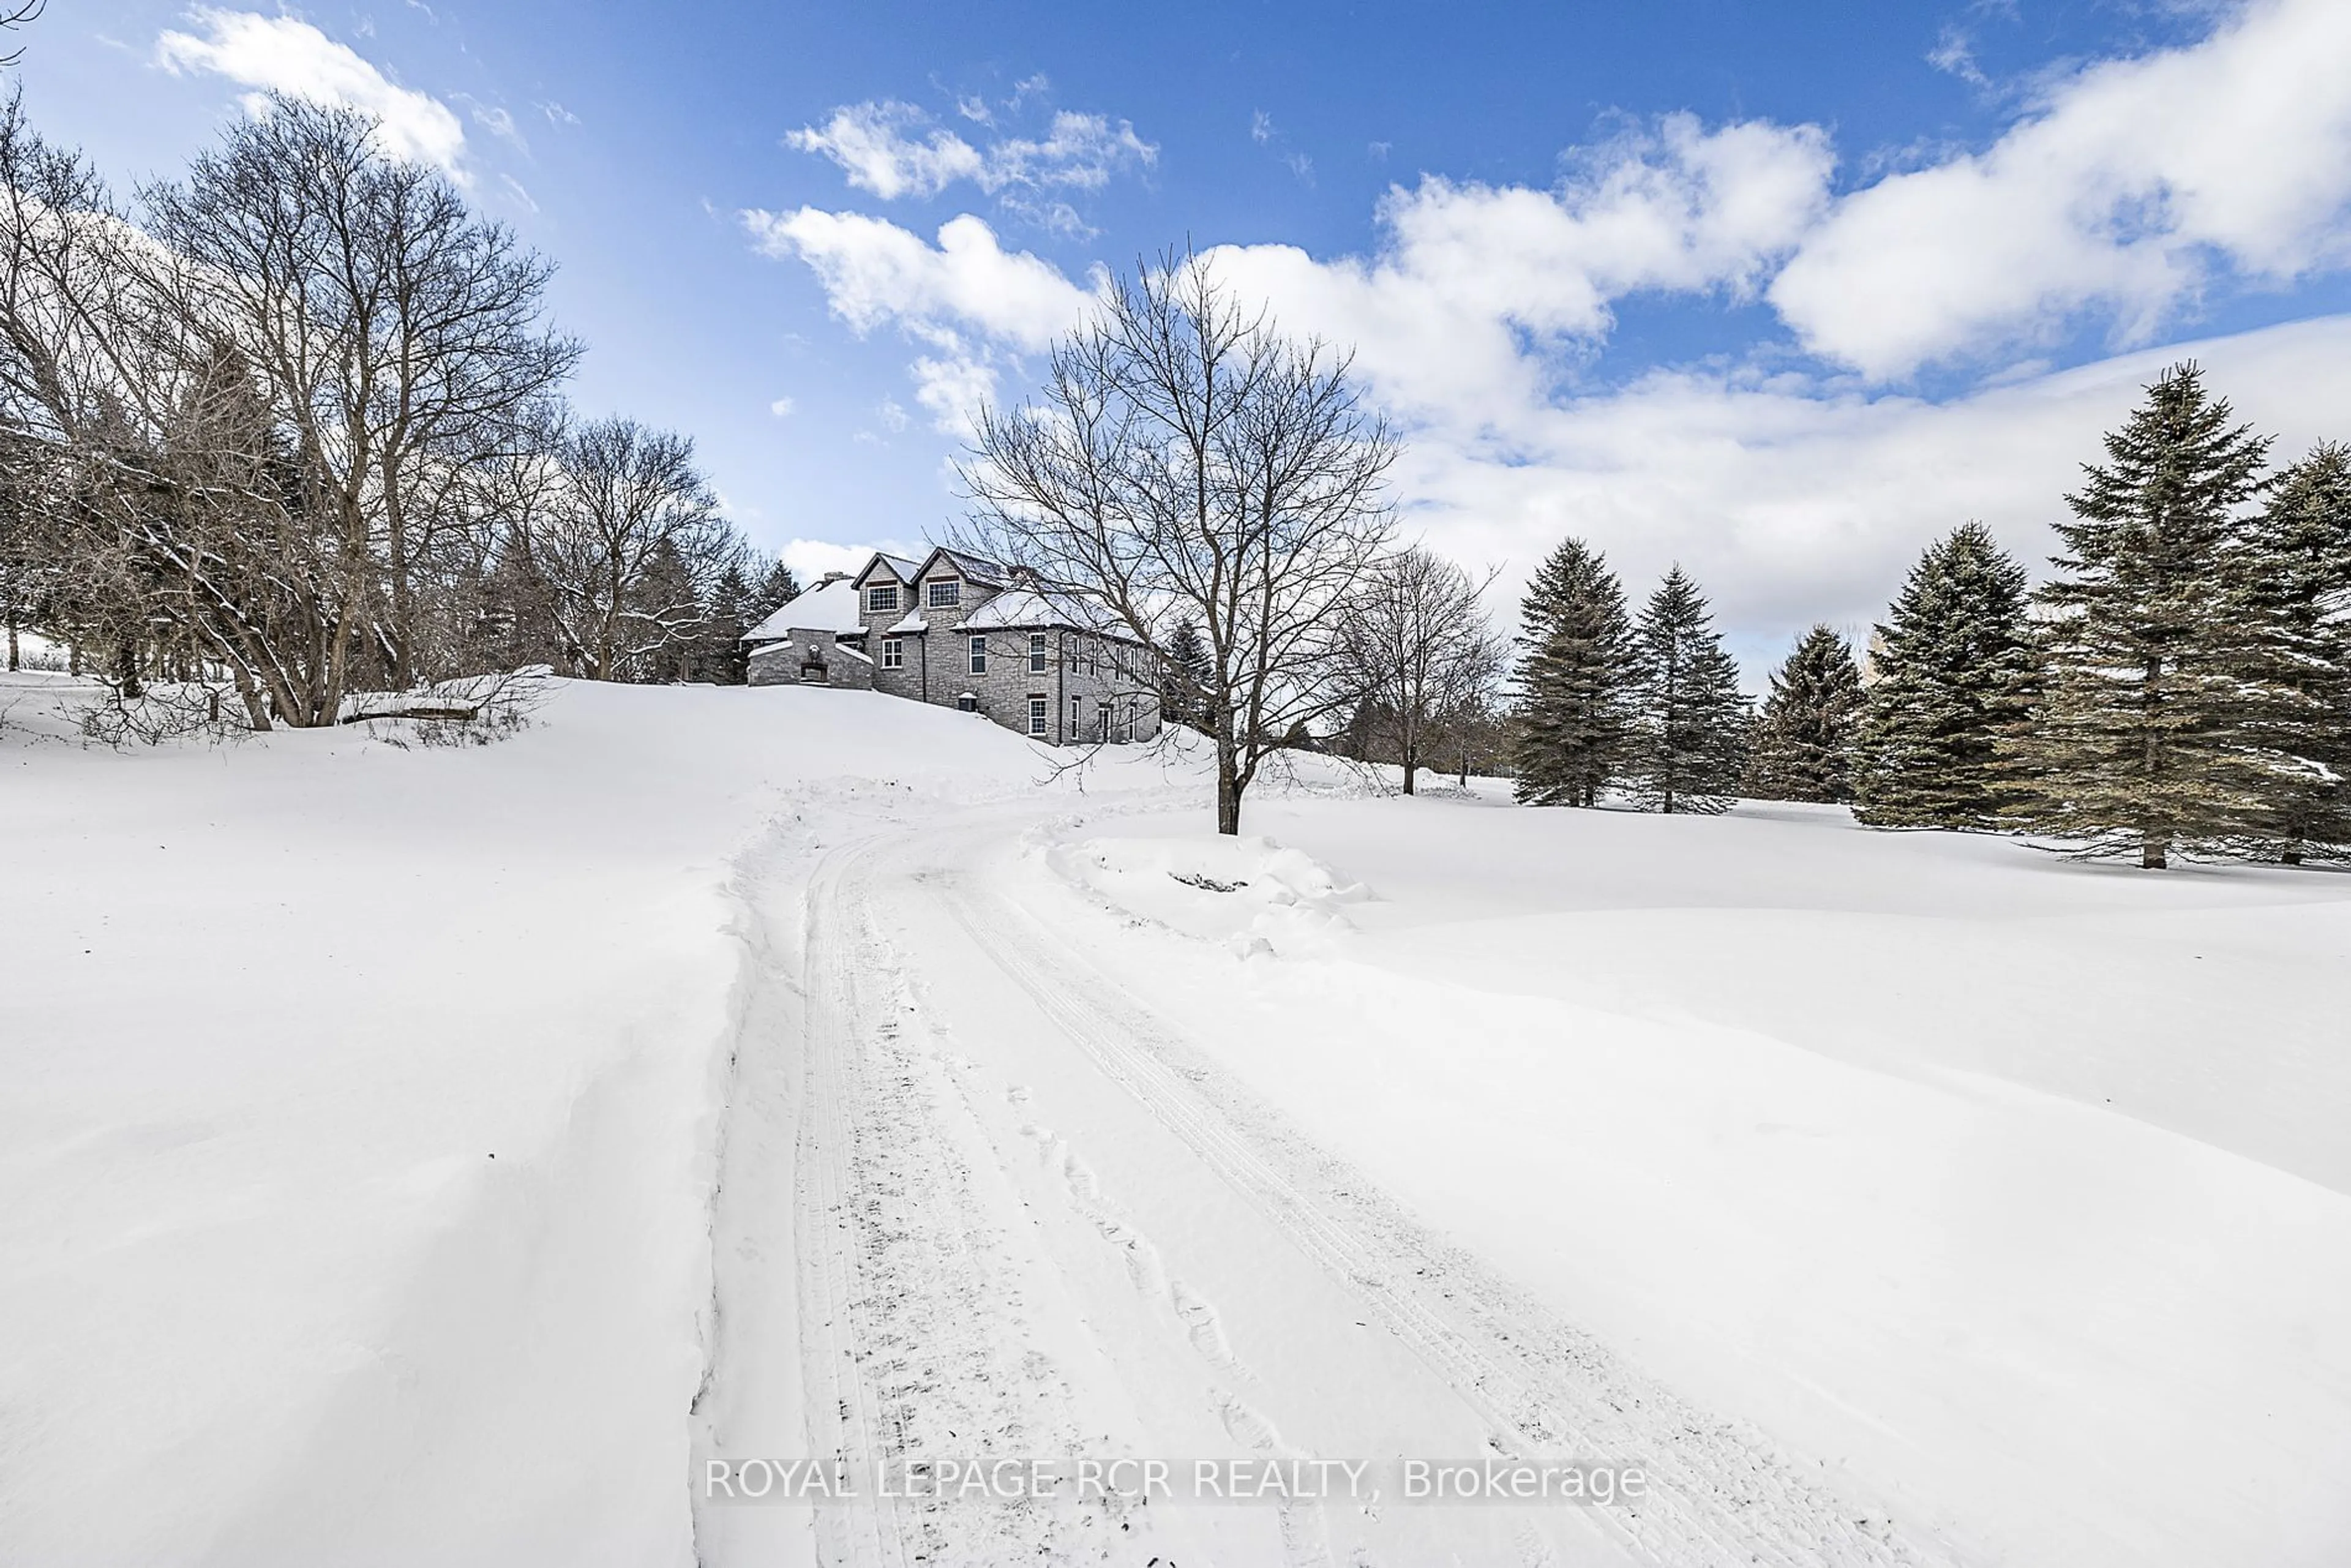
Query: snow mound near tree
{"points": [[1251, 893]]}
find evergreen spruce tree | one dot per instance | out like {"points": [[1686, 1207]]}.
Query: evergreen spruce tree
{"points": [[2139, 739], [778, 587], [2290, 599], [1688, 740], [721, 656], [1803, 744], [1184, 683], [1955, 671], [1574, 673]]}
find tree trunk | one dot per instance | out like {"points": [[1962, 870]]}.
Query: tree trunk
{"points": [[1229, 779]]}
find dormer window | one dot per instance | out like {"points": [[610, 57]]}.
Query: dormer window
{"points": [[882, 596], [947, 593]]}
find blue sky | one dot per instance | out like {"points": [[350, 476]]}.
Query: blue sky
{"points": [[1776, 290]]}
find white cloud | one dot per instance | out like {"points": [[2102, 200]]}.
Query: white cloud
{"points": [[893, 149], [873, 145], [2127, 188], [1078, 150], [1260, 127], [281, 54], [782, 407], [556, 114], [500, 122], [873, 273], [1954, 55], [1466, 273], [972, 304]]}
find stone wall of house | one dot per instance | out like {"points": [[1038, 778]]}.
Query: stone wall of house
{"points": [[1072, 688], [810, 658]]}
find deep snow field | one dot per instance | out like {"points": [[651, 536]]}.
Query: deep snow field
{"points": [[417, 1154]]}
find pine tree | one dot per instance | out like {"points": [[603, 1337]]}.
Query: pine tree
{"points": [[721, 656], [2289, 581], [2138, 740], [1182, 688], [1573, 678], [778, 587], [1955, 670], [1690, 721], [1803, 745]]}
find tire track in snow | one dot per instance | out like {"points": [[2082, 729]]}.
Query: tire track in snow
{"points": [[1723, 1494], [911, 1332], [1305, 1542]]}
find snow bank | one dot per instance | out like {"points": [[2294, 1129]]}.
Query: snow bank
{"points": [[1249, 894], [2015, 1191], [357, 1107]]}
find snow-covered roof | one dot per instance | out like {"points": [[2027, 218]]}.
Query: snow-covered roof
{"points": [[912, 624], [901, 567], [975, 568], [1038, 606], [827, 607]]}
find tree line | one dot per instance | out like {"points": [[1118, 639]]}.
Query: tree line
{"points": [[2181, 685], [291, 427]]}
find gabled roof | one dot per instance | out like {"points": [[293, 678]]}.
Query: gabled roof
{"points": [[899, 566], [974, 568], [830, 606]]}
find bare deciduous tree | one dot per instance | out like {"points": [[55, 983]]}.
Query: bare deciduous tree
{"points": [[235, 417], [629, 546], [398, 330], [1415, 652], [1188, 461]]}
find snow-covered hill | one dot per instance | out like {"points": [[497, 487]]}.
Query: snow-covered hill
{"points": [[440, 1154]]}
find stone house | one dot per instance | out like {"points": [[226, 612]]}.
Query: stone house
{"points": [[960, 631]]}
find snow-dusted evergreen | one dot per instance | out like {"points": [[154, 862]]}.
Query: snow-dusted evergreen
{"points": [[1953, 665], [1575, 678], [2290, 586], [2139, 742], [1804, 741], [1687, 744]]}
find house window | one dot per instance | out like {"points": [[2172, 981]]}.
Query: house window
{"points": [[882, 596], [1036, 716], [812, 675], [1077, 716], [968, 703], [947, 593], [980, 655], [1102, 720], [1036, 653], [893, 653]]}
